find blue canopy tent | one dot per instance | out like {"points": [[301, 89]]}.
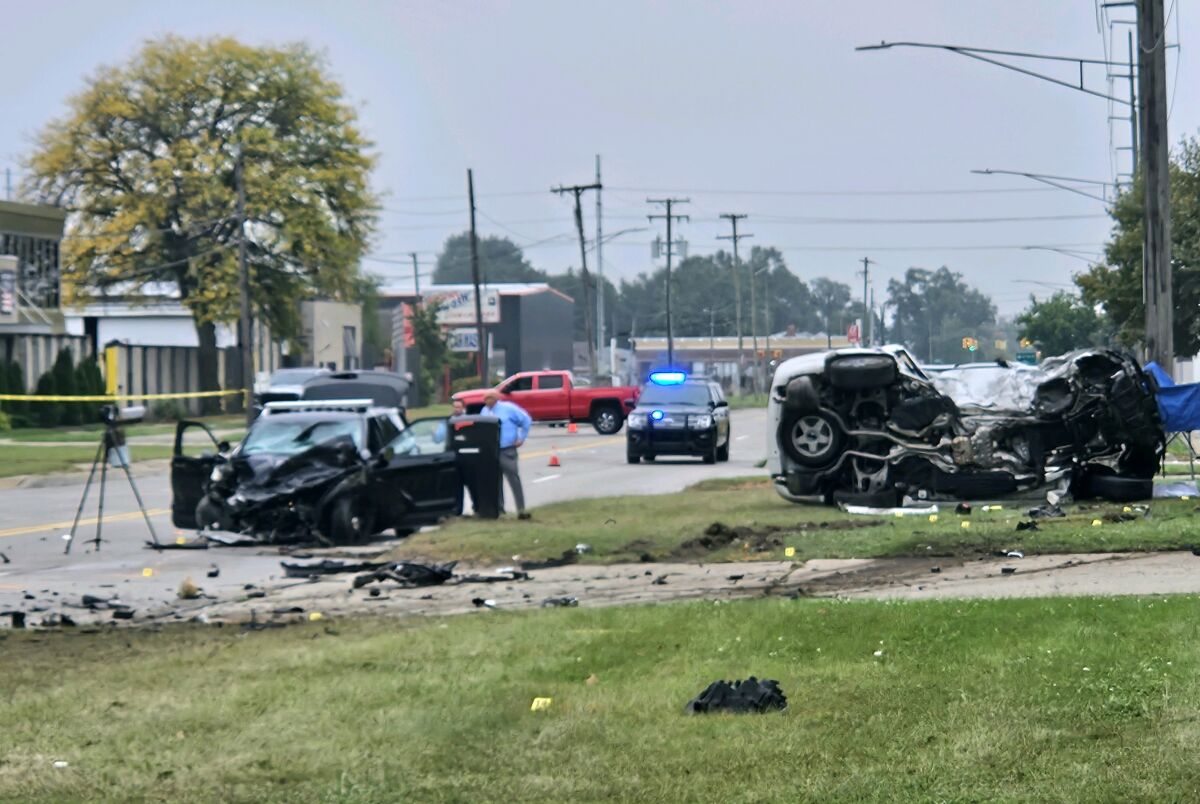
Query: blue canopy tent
{"points": [[1179, 408]]}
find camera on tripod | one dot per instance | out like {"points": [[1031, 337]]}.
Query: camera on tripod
{"points": [[115, 416]]}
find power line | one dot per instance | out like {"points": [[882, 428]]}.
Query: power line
{"points": [[826, 193]]}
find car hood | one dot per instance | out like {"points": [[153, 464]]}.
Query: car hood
{"points": [[263, 477]]}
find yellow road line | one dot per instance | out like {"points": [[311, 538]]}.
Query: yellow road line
{"points": [[125, 517]]}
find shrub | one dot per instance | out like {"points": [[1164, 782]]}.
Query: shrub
{"points": [[465, 384], [16, 385], [168, 410], [45, 413], [64, 384], [5, 422]]}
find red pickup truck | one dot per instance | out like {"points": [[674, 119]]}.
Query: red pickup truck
{"points": [[553, 396]]}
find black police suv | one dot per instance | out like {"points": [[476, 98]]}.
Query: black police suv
{"points": [[676, 415]]}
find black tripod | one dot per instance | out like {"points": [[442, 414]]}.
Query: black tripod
{"points": [[110, 446]]}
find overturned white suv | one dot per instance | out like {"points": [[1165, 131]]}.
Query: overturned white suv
{"points": [[870, 427]]}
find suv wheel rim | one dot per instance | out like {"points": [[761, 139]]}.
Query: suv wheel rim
{"points": [[812, 436]]}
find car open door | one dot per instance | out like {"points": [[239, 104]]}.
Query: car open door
{"points": [[415, 481], [191, 464]]}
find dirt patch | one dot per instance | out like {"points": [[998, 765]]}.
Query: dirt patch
{"points": [[718, 536]]}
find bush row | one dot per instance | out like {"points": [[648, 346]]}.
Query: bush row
{"points": [[64, 378]]}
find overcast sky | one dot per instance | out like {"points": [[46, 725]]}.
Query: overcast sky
{"points": [[763, 108]]}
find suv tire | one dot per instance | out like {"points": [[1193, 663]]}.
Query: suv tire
{"points": [[811, 439], [350, 522]]}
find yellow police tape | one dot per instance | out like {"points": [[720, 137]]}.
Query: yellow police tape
{"points": [[114, 397]]}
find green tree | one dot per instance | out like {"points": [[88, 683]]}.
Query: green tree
{"points": [[146, 160], [500, 260], [46, 414], [433, 346], [831, 300], [16, 385], [571, 284], [1116, 284], [1061, 323], [935, 310], [64, 385]]}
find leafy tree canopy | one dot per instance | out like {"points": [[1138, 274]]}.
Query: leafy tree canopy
{"points": [[1116, 284], [934, 309], [500, 260], [145, 159], [1061, 323]]}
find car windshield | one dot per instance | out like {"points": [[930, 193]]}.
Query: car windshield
{"points": [[293, 376], [283, 436], [674, 395]]}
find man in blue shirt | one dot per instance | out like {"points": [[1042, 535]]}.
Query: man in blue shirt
{"points": [[514, 429]]}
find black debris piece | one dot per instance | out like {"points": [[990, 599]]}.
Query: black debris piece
{"points": [[739, 697], [1007, 570], [4, 557], [214, 572], [328, 567], [661, 580], [1028, 525], [122, 614], [407, 573], [200, 543], [560, 602], [499, 576], [29, 596], [935, 570], [963, 508], [1195, 551], [567, 557], [1046, 512], [232, 539], [289, 610], [255, 625], [248, 586], [18, 618], [256, 593], [736, 578], [481, 603], [375, 592]]}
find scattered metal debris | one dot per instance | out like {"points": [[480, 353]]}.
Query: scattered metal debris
{"points": [[1007, 570], [328, 567], [740, 697], [408, 574], [582, 548], [214, 572], [1027, 525], [479, 602], [560, 602]]}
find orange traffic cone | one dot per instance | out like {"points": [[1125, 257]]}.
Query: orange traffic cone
{"points": [[553, 457], [572, 427]]}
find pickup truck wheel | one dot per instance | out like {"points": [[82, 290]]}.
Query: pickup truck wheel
{"points": [[607, 420], [811, 439], [350, 522]]}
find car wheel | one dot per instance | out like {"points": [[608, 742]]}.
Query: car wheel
{"points": [[607, 420], [710, 456], [811, 439], [1116, 488], [402, 532], [723, 450], [633, 457], [648, 458], [350, 522], [861, 372], [211, 516]]}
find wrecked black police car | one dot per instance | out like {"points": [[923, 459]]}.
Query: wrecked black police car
{"points": [[870, 427], [332, 471]]}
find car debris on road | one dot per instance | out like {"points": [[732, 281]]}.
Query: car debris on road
{"points": [[740, 697]]}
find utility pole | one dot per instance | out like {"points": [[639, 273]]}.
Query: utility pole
{"points": [[585, 278], [480, 333], [871, 336], [416, 278], [245, 322], [669, 217], [1156, 281], [733, 219], [600, 341], [862, 333], [766, 326], [1133, 107]]}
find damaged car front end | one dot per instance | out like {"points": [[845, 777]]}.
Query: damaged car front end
{"points": [[334, 473], [870, 427]]}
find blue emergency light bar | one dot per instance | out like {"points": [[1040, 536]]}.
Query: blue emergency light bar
{"points": [[668, 377]]}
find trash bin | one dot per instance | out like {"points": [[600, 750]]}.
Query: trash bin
{"points": [[476, 440]]}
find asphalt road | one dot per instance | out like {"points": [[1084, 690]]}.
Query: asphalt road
{"points": [[35, 520]]}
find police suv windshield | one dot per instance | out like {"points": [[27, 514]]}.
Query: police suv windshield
{"points": [[283, 435], [653, 394]]}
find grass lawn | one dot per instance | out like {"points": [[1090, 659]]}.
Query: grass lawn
{"points": [[1052, 699], [17, 459], [749, 401], [91, 432], [625, 528]]}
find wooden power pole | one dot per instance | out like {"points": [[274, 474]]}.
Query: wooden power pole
{"points": [[480, 331], [1156, 276], [669, 202], [584, 278], [733, 219]]}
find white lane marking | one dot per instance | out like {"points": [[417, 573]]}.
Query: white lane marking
{"points": [[739, 438], [547, 477]]}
